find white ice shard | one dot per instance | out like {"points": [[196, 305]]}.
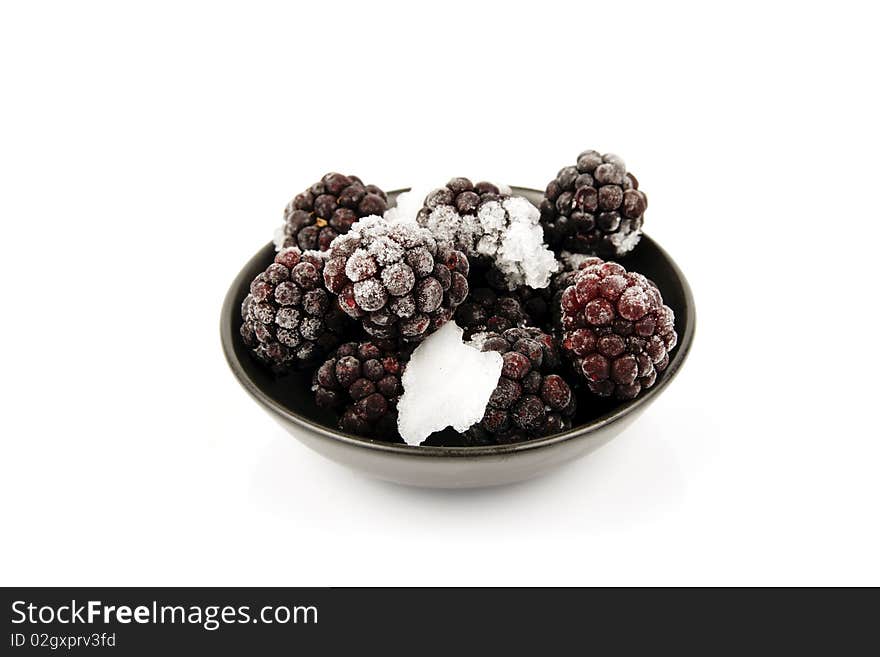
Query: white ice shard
{"points": [[446, 383]]}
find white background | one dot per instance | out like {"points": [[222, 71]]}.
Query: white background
{"points": [[147, 151]]}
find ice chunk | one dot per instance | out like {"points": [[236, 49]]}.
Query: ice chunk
{"points": [[514, 239], [625, 241], [279, 238], [447, 382], [408, 204], [573, 261]]}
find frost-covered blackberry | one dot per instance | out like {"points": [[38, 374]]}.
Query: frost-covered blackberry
{"points": [[492, 227], [288, 317], [594, 206], [327, 209], [396, 278], [450, 212]]}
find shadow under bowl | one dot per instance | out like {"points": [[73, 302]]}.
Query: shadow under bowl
{"points": [[289, 399]]}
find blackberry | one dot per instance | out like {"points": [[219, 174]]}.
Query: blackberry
{"points": [[450, 212], [362, 382], [532, 399], [396, 278], [288, 318], [594, 207], [616, 329], [484, 310], [492, 229], [327, 209], [461, 195]]}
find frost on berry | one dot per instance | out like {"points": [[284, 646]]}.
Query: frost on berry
{"points": [[429, 295], [370, 294], [616, 329], [360, 265], [420, 260], [398, 278]]}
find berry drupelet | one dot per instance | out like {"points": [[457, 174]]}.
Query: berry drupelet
{"points": [[362, 381], [616, 329], [594, 206], [396, 279], [288, 318], [531, 399], [327, 209]]}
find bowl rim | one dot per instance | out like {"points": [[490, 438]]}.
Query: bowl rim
{"points": [[227, 337]]}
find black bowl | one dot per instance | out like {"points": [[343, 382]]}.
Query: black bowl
{"points": [[289, 399]]}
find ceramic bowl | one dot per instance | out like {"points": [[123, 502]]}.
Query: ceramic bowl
{"points": [[289, 399]]}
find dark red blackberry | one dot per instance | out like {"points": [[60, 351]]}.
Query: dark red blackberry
{"points": [[327, 209], [288, 317], [531, 399], [484, 310], [594, 207], [396, 278], [616, 329], [362, 382]]}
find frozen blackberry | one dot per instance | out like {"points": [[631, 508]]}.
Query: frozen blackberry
{"points": [[461, 195], [450, 212], [485, 310], [396, 279], [616, 329], [288, 317], [362, 382], [327, 209], [594, 207], [532, 399], [497, 230]]}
